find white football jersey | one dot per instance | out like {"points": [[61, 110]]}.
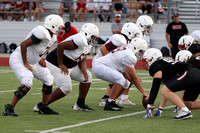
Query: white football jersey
{"points": [[118, 58], [117, 39], [37, 51], [82, 50]]}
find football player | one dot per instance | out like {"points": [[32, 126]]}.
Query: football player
{"points": [[129, 31], [183, 56], [185, 42], [26, 63], [176, 76], [68, 62], [145, 24], [118, 67]]}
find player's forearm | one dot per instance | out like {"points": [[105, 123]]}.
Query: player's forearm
{"points": [[60, 50]]}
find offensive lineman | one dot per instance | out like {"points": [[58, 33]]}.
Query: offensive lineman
{"points": [[116, 41], [68, 62], [118, 67], [26, 63]]}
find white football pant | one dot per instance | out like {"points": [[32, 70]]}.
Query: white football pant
{"points": [[109, 74], [25, 76], [63, 81]]}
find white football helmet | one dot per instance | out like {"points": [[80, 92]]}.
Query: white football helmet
{"points": [[138, 46], [150, 56], [91, 32], [183, 56], [131, 30], [185, 42], [54, 23], [145, 24]]}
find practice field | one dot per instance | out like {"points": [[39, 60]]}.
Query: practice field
{"points": [[129, 120]]}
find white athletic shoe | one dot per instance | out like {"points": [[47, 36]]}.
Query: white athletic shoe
{"points": [[102, 102], [183, 115], [125, 102], [35, 108]]}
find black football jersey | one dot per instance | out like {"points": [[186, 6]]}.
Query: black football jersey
{"points": [[169, 68], [195, 62], [194, 48]]}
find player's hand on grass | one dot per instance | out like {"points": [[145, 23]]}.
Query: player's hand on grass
{"points": [[148, 111], [158, 112]]}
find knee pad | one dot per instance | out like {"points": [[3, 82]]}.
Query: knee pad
{"points": [[20, 93], [46, 90]]}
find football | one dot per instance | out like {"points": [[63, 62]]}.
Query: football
{"points": [[145, 101]]}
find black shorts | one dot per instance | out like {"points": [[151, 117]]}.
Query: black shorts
{"points": [[188, 81]]}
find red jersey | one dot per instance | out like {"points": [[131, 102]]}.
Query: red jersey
{"points": [[72, 31], [19, 4]]}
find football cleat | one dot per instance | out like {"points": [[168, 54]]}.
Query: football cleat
{"points": [[112, 106], [44, 109], [9, 111], [125, 102], [183, 115], [82, 107], [102, 102]]}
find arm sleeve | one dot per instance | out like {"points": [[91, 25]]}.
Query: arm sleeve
{"points": [[35, 39], [110, 46], [154, 90]]}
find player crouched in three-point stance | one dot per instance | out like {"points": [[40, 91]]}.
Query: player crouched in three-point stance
{"points": [[26, 63], [118, 67], [129, 31], [68, 62], [176, 76]]}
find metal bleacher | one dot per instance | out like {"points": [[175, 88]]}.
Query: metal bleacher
{"points": [[15, 32]]}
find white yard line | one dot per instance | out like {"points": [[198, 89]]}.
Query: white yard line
{"points": [[90, 122]]}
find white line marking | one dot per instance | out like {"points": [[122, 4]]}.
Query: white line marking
{"points": [[91, 122]]}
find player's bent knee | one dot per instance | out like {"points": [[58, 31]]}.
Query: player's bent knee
{"points": [[21, 92], [46, 90], [89, 78], [27, 83], [49, 81], [66, 90]]}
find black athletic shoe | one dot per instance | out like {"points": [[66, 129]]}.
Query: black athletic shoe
{"points": [[9, 111], [44, 109], [82, 107], [112, 106]]}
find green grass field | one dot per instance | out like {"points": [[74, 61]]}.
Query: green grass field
{"points": [[129, 120]]}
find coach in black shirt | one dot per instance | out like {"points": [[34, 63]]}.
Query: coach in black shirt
{"points": [[176, 29]]}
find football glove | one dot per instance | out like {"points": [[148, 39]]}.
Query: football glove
{"points": [[158, 112], [148, 111]]}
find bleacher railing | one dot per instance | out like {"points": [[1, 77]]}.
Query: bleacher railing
{"points": [[168, 11]]}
